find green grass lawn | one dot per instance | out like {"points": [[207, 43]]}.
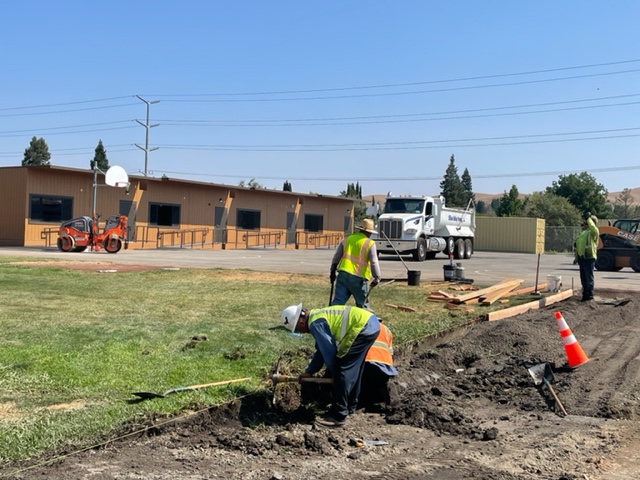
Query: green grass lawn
{"points": [[76, 344]]}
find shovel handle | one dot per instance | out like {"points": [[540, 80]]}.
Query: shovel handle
{"points": [[289, 379], [215, 384], [555, 397]]}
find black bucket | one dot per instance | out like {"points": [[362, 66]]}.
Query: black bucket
{"points": [[413, 278], [449, 270]]}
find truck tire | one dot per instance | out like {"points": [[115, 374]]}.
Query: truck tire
{"points": [[458, 251], [468, 248], [451, 245], [605, 262], [420, 253]]}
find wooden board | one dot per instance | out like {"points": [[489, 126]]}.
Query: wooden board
{"points": [[485, 291], [497, 295], [543, 302], [539, 288]]}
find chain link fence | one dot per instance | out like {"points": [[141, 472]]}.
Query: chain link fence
{"points": [[560, 239]]}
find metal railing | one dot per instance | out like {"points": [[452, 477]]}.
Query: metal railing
{"points": [[257, 239], [47, 233], [317, 240], [183, 238]]}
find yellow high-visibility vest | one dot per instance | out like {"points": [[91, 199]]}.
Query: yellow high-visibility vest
{"points": [[345, 323], [355, 257]]}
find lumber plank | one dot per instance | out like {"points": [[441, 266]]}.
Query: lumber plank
{"points": [[535, 288], [485, 291], [497, 295], [525, 307]]}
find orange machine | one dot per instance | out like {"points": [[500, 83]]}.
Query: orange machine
{"points": [[619, 246], [77, 234]]}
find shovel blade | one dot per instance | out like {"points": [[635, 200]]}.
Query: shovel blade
{"points": [[541, 372], [147, 395]]}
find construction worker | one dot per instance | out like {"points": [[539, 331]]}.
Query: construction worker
{"points": [[378, 369], [586, 252], [356, 262], [343, 336]]}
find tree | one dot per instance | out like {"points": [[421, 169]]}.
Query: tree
{"points": [[253, 184], [37, 154], [467, 186], [287, 186], [623, 207], [583, 192], [359, 207], [481, 207], [510, 204], [451, 187], [557, 211], [100, 158]]}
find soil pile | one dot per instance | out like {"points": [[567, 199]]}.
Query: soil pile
{"points": [[464, 407]]}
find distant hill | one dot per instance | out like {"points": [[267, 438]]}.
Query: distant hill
{"points": [[487, 197]]}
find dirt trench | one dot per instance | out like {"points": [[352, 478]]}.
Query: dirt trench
{"points": [[464, 406]]}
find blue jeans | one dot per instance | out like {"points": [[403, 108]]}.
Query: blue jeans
{"points": [[586, 277], [347, 371], [348, 285]]}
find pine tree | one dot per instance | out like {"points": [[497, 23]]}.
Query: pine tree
{"points": [[100, 158], [37, 154], [451, 187], [287, 186], [469, 196], [510, 204]]}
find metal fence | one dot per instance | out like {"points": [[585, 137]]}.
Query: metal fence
{"points": [[560, 239]]}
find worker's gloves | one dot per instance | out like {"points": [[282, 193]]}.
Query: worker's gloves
{"points": [[332, 276], [374, 282]]}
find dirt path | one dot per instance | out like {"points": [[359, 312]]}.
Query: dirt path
{"points": [[465, 407]]}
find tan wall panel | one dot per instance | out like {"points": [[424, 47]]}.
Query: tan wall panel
{"points": [[509, 234], [14, 205]]}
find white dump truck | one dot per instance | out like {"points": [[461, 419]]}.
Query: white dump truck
{"points": [[424, 226]]}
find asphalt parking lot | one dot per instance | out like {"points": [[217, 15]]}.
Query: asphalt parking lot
{"points": [[485, 268]]}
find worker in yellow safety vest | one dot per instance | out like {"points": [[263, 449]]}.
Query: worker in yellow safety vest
{"points": [[356, 262]]}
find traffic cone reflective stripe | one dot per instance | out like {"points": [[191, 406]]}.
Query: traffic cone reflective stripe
{"points": [[573, 350]]}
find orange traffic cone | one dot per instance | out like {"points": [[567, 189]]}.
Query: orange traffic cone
{"points": [[573, 350]]}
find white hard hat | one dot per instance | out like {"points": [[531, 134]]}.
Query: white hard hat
{"points": [[290, 316]]}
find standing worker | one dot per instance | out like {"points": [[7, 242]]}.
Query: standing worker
{"points": [[378, 369], [586, 248], [356, 261], [343, 335]]}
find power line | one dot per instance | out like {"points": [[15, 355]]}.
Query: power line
{"points": [[65, 111], [395, 85], [65, 104], [412, 178]]}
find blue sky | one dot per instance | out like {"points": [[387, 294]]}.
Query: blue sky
{"points": [[324, 93]]}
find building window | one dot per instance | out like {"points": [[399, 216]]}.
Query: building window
{"points": [[313, 223], [49, 208], [164, 215], [248, 219]]}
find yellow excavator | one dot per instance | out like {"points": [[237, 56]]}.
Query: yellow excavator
{"points": [[619, 246]]}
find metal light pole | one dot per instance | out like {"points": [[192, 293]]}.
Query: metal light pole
{"points": [[147, 127]]}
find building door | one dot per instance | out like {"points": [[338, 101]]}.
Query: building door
{"points": [[291, 228], [347, 225], [220, 227], [129, 208]]}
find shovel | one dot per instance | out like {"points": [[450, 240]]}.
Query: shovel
{"points": [[146, 395], [542, 374]]}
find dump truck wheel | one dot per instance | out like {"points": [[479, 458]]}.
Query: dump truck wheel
{"points": [[451, 244], [420, 253], [112, 245], [605, 262], [458, 251], [468, 248]]}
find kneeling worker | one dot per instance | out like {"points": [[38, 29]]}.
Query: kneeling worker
{"points": [[343, 336], [378, 370]]}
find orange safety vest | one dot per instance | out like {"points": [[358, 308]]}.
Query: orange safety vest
{"points": [[355, 257], [382, 350]]}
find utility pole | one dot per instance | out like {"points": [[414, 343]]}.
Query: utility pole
{"points": [[147, 127]]}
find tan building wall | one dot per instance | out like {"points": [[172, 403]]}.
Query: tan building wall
{"points": [[199, 206], [509, 234], [14, 201]]}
